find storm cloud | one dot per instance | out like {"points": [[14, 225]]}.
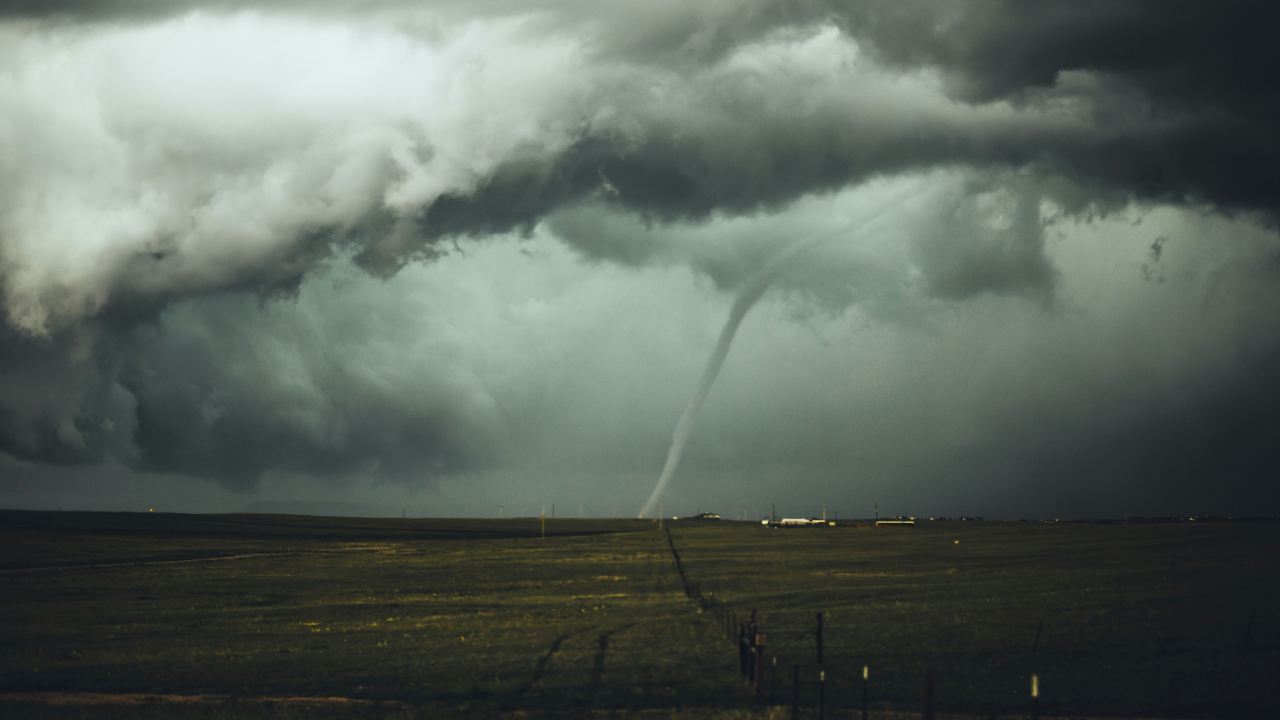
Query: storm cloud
{"points": [[240, 238]]}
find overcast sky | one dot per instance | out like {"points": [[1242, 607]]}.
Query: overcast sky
{"points": [[450, 256]]}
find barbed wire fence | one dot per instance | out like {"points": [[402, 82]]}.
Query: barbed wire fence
{"points": [[787, 665]]}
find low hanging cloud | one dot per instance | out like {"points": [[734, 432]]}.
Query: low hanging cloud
{"points": [[169, 172]]}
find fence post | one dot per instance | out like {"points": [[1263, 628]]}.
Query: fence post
{"points": [[759, 663], [822, 694], [773, 684], [795, 691], [819, 636], [864, 692], [927, 694], [1035, 697]]}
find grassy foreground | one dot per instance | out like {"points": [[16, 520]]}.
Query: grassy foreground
{"points": [[140, 615], [1133, 620]]}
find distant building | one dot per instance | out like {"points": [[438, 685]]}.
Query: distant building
{"points": [[895, 523], [707, 516], [798, 523]]}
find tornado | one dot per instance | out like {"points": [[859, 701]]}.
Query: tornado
{"points": [[751, 292]]}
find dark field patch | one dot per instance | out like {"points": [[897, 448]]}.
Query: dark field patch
{"points": [[424, 618]]}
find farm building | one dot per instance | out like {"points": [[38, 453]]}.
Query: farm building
{"points": [[797, 523]]}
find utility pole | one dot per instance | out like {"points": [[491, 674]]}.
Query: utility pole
{"points": [[824, 512], [877, 511], [544, 521], [660, 516]]}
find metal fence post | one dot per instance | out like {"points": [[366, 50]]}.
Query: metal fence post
{"points": [[822, 694], [773, 684], [1035, 697], [759, 663], [864, 692]]}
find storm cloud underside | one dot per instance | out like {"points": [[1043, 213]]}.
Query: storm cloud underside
{"points": [[215, 220]]}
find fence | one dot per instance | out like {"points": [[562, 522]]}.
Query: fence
{"points": [[812, 683]]}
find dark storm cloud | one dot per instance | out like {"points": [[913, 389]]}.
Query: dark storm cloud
{"points": [[1204, 450], [131, 191], [962, 253], [1202, 68], [227, 390], [1098, 95], [1189, 80], [230, 398], [53, 405], [1172, 103], [1180, 97]]}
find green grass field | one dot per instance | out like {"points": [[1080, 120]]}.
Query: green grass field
{"points": [[142, 615]]}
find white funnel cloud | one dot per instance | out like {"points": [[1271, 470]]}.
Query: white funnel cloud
{"points": [[751, 292]]}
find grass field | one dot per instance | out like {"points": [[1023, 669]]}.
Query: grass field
{"points": [[142, 615]]}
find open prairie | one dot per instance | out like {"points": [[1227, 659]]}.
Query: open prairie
{"points": [[142, 615]]}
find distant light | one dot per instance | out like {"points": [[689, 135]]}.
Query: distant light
{"points": [[152, 510]]}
